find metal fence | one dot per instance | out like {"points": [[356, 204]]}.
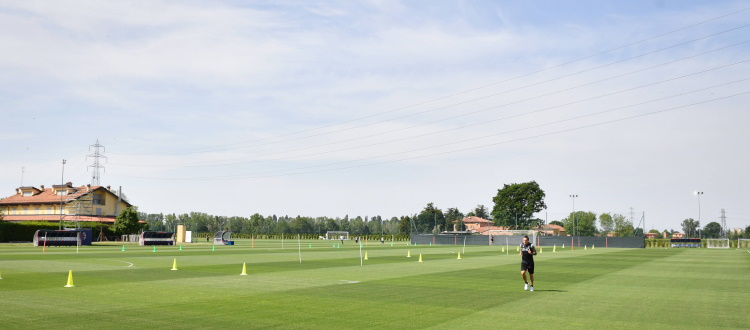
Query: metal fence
{"points": [[575, 241]]}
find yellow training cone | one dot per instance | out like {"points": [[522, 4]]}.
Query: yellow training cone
{"points": [[592, 247], [174, 265], [244, 269], [563, 246], [554, 248], [585, 247], [459, 256], [503, 250], [365, 255], [517, 249], [70, 280], [408, 253], [541, 250], [420, 257]]}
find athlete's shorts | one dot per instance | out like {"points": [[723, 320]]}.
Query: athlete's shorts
{"points": [[525, 265]]}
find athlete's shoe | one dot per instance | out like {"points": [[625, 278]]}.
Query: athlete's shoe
{"points": [[531, 288], [526, 286]]}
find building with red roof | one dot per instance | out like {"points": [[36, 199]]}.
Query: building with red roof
{"points": [[63, 202]]}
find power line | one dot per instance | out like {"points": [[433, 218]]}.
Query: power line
{"points": [[217, 147], [488, 121], [246, 176]]}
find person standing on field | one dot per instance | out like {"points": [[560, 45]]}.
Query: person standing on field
{"points": [[528, 251]]}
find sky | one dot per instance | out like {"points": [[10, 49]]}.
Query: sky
{"points": [[365, 108]]}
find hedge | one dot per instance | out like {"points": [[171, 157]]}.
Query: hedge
{"points": [[663, 243]]}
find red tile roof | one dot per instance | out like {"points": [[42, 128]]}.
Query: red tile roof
{"points": [[47, 195], [474, 220]]}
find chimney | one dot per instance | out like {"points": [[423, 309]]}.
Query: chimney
{"points": [[18, 191], [69, 184], [108, 187], [42, 186], [88, 187]]}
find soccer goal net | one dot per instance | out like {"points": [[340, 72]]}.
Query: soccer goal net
{"points": [[337, 235], [511, 237], [743, 243], [717, 243]]}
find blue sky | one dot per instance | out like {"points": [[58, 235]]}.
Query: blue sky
{"points": [[380, 107]]}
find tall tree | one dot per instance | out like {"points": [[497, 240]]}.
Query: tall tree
{"points": [[515, 204], [580, 223], [481, 212], [690, 226], [623, 226], [453, 218], [404, 225], [126, 222], [712, 230], [430, 219], [606, 223]]}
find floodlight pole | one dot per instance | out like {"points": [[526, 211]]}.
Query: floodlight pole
{"points": [[575, 225], [699, 193], [62, 183]]}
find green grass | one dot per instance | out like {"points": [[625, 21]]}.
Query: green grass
{"points": [[620, 288]]}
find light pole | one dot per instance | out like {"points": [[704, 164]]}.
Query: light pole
{"points": [[575, 226], [62, 183], [699, 193]]}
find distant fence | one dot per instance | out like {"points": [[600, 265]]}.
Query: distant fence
{"points": [[576, 241]]}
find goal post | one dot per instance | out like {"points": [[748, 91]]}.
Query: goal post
{"points": [[743, 243], [717, 243], [337, 235], [511, 237]]}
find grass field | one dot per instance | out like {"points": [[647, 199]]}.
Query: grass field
{"points": [[600, 288]]}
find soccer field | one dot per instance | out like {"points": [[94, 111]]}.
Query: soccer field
{"points": [[592, 288]]}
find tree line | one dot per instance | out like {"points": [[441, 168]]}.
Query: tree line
{"points": [[514, 208]]}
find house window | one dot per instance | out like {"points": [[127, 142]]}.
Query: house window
{"points": [[98, 211], [98, 199], [61, 192], [49, 210], [37, 210], [28, 193]]}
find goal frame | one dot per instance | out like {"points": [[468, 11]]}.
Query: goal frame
{"points": [[743, 243], [717, 243], [335, 235], [513, 237]]}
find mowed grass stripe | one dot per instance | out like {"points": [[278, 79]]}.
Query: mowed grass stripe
{"points": [[582, 288]]}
